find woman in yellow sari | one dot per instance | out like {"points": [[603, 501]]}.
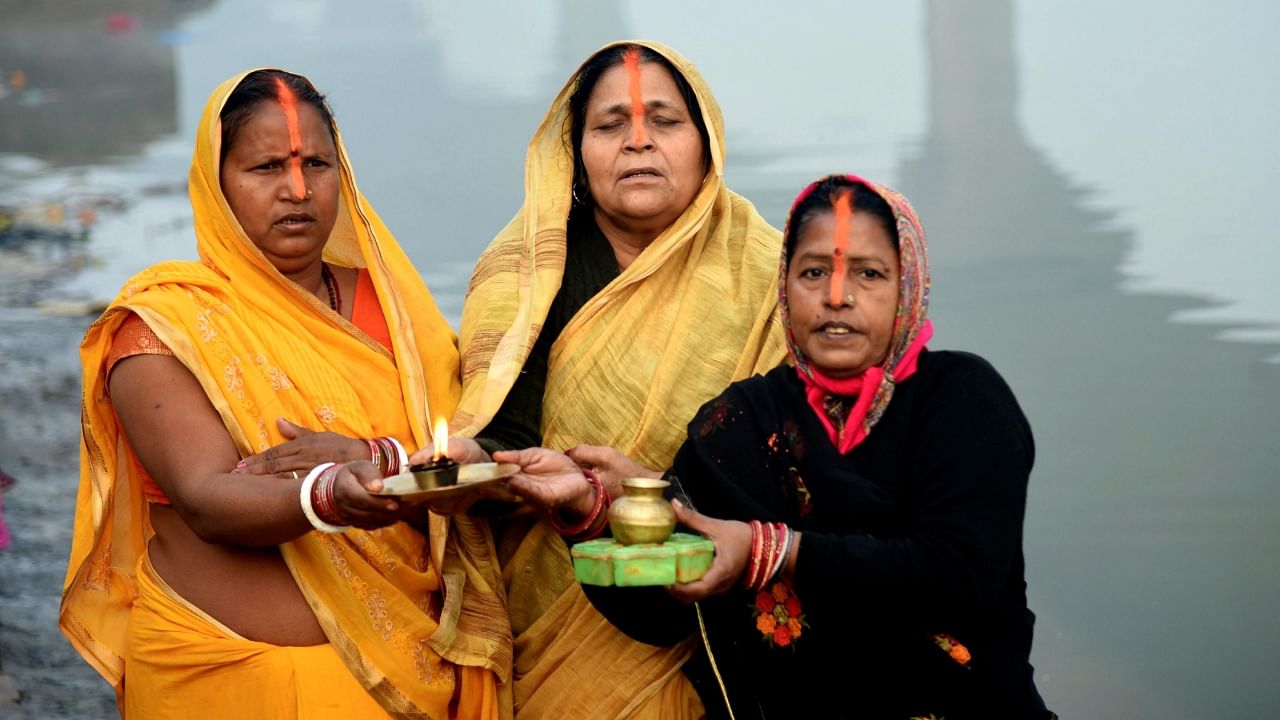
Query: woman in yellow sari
{"points": [[630, 288], [199, 590]]}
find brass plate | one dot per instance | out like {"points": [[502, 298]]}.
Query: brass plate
{"points": [[471, 477]]}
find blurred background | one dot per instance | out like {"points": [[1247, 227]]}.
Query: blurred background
{"points": [[1094, 178]]}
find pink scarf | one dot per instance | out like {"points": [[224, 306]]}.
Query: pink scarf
{"points": [[847, 428], [848, 408]]}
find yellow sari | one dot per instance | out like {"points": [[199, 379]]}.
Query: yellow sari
{"points": [[694, 312], [262, 348]]}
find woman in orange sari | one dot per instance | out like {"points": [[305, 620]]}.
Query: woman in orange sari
{"points": [[200, 590]]}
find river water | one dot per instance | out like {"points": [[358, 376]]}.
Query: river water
{"points": [[1091, 176]]}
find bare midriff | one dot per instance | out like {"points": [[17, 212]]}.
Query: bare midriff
{"points": [[249, 590]]}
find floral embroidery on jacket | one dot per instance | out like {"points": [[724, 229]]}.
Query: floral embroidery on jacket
{"points": [[715, 417], [803, 498], [778, 615], [785, 448], [952, 647], [791, 431]]}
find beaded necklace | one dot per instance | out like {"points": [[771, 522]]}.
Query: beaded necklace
{"points": [[335, 294]]}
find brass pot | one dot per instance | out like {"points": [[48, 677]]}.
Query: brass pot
{"points": [[642, 515]]}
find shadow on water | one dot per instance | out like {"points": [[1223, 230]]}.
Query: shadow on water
{"points": [[1152, 550]]}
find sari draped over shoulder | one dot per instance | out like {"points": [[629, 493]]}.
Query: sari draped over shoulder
{"points": [[262, 347], [695, 311]]}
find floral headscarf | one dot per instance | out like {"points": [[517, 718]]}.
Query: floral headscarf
{"points": [[850, 407]]}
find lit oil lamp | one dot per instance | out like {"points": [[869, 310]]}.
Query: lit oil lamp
{"points": [[442, 478], [441, 471]]}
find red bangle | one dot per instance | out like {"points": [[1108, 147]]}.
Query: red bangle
{"points": [[397, 452], [582, 527], [779, 548], [390, 457], [602, 521], [322, 496], [775, 548], [771, 551], [785, 537], [383, 455], [753, 564]]}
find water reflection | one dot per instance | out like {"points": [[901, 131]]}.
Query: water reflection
{"points": [[87, 81], [1151, 546], [81, 84]]}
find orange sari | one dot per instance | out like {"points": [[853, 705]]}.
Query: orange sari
{"points": [[262, 348]]}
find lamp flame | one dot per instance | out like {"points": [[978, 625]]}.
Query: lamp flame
{"points": [[440, 438]]}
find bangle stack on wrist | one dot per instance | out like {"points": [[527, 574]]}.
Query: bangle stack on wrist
{"points": [[316, 497], [388, 455], [770, 544], [594, 523]]}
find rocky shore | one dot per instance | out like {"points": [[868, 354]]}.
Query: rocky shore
{"points": [[40, 675]]}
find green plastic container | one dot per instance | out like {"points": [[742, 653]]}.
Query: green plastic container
{"points": [[647, 564], [693, 556], [592, 564], [682, 558]]}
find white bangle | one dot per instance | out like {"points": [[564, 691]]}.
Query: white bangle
{"points": [[304, 497], [401, 455]]}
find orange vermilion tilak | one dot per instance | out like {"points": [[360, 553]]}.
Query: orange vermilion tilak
{"points": [[843, 208], [631, 60], [290, 105]]}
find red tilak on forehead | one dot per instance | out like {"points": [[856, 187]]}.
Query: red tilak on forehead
{"points": [[842, 205], [290, 105], [631, 60]]}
